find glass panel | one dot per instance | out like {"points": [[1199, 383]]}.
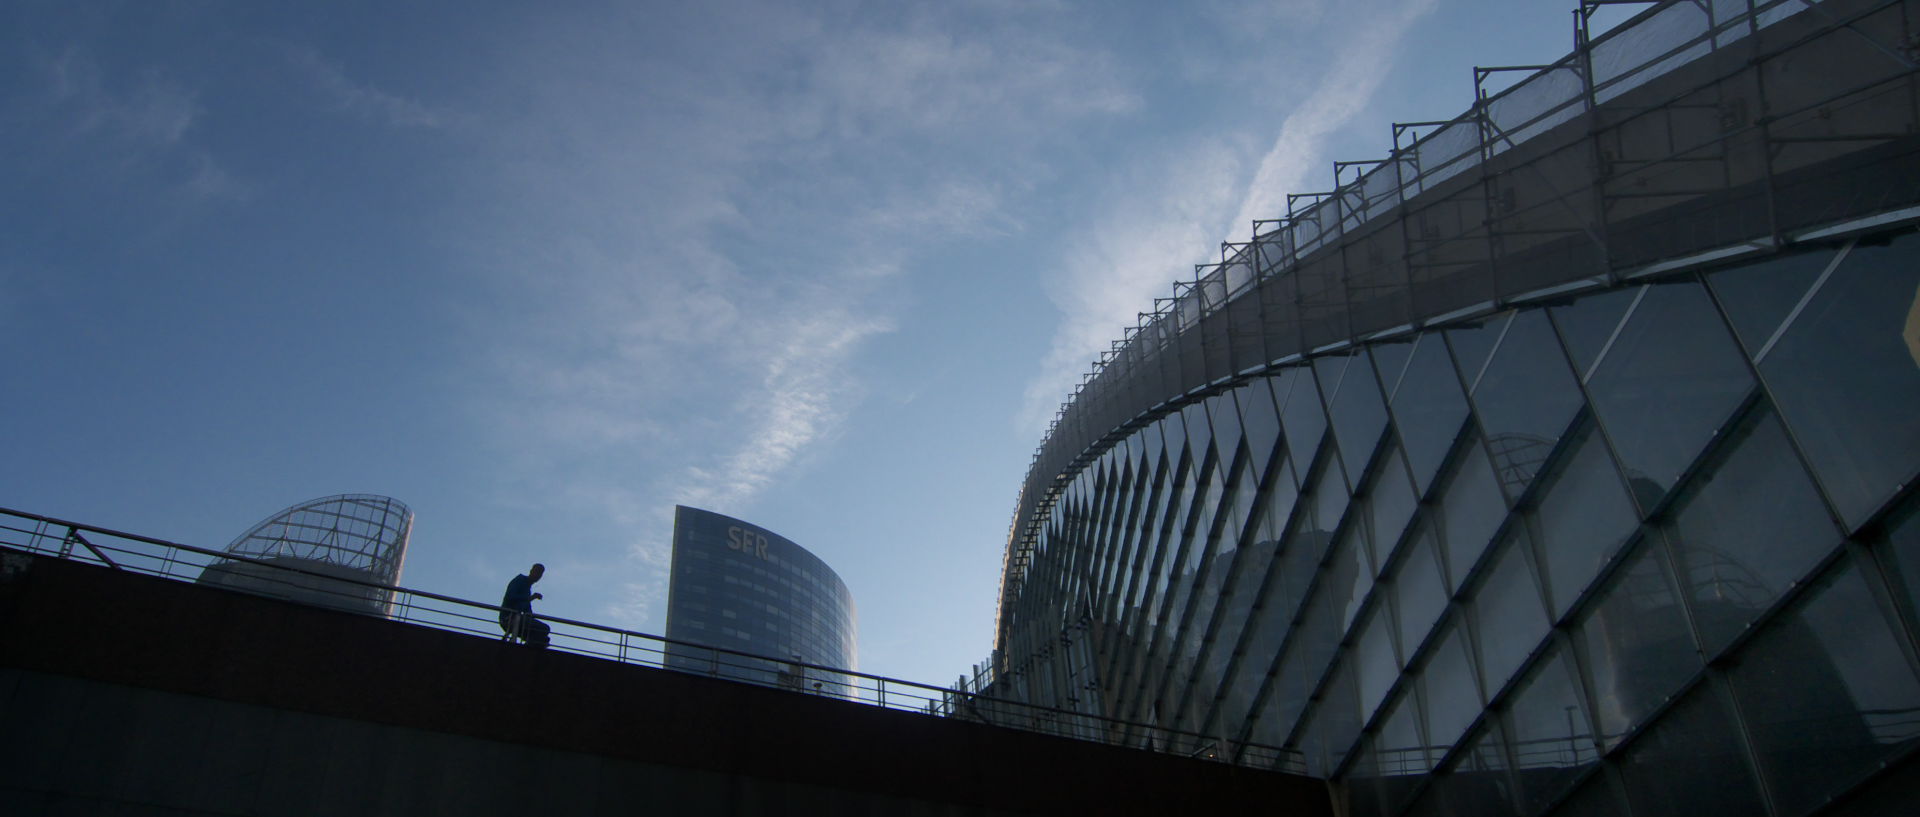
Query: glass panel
{"points": [[1401, 758], [1238, 507], [1587, 323], [1472, 343], [1241, 602], [1361, 782], [1525, 400], [1453, 696], [1174, 544], [1826, 693], [1667, 383], [1691, 763], [1479, 783], [1390, 504], [1359, 415], [1428, 409], [1902, 553], [1260, 421], [1329, 497], [1419, 595], [1847, 380], [1180, 637], [1471, 509], [1747, 529], [1509, 615], [1335, 723], [1348, 576], [1389, 360], [1309, 651], [1637, 645], [1757, 297], [1300, 555], [1583, 518], [1222, 424], [1552, 738], [1302, 417], [1378, 666]]}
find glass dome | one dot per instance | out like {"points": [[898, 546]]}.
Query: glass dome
{"points": [[318, 552]]}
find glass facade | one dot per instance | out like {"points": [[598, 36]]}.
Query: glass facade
{"points": [[323, 552], [1645, 542], [1660, 587], [743, 588]]}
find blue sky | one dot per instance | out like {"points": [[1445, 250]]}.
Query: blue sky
{"points": [[543, 271]]}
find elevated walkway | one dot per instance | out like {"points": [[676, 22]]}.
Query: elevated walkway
{"points": [[130, 693]]}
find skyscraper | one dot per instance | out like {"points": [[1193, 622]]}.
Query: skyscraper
{"points": [[741, 587]]}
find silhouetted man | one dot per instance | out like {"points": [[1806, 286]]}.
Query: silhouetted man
{"points": [[516, 615]]}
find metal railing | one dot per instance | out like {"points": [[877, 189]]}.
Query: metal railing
{"points": [[119, 550]]}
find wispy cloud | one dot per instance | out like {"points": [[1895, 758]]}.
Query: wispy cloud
{"points": [[150, 111], [700, 236], [135, 124], [1160, 226], [1163, 219], [361, 98], [1299, 152]]}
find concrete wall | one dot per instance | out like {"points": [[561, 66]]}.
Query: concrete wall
{"points": [[122, 693]]}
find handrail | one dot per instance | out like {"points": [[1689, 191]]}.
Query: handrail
{"points": [[52, 536]]}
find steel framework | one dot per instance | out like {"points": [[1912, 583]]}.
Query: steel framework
{"points": [[1697, 130]]}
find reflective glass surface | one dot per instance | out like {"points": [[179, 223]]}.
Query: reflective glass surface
{"points": [[1583, 518], [1390, 503], [1359, 414], [1428, 409], [1419, 596], [1225, 665], [1365, 600], [1667, 382], [1637, 645], [741, 587], [1471, 509], [1390, 361], [1479, 782], [1552, 738], [1525, 399], [1757, 297], [1302, 416], [1691, 763], [1308, 651], [1400, 755], [1378, 666], [1734, 555], [1846, 375], [1260, 421], [1826, 692], [1902, 555], [1453, 698], [1348, 576], [1472, 342], [1508, 612], [1588, 323], [1334, 722]]}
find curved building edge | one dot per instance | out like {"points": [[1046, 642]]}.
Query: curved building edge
{"points": [[740, 587], [1496, 531]]}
